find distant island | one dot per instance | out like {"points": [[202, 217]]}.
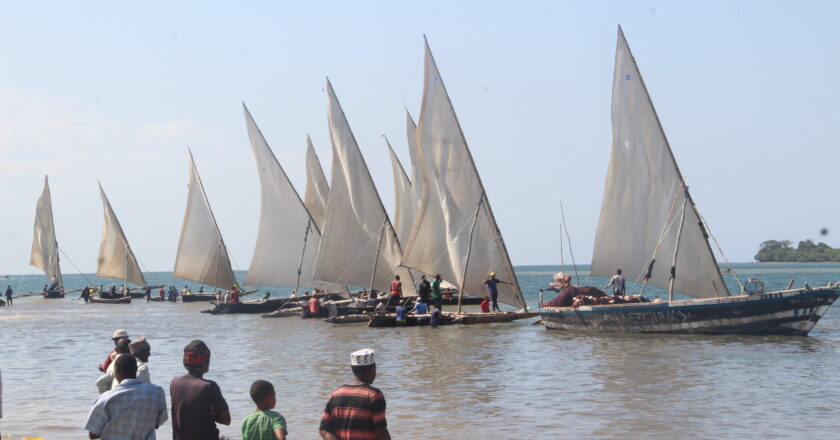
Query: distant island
{"points": [[773, 251]]}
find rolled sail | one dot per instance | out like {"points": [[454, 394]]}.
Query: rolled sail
{"points": [[116, 260], [645, 196], [455, 233], [202, 256], [317, 188], [44, 253], [357, 235]]}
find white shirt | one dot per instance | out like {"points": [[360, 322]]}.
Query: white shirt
{"points": [[108, 381]]}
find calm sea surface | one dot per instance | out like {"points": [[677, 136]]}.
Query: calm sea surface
{"points": [[500, 381]]}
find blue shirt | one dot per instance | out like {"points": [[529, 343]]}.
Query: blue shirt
{"points": [[491, 284], [400, 313], [420, 308], [131, 411]]}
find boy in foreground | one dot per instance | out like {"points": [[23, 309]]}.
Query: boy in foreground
{"points": [[264, 424]]}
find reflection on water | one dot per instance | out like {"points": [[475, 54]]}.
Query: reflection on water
{"points": [[507, 381]]}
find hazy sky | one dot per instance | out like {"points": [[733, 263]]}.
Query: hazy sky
{"points": [[747, 92]]}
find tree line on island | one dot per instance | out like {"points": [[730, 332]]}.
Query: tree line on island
{"points": [[775, 251]]}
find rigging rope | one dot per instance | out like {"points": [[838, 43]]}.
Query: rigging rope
{"points": [[720, 250], [74, 265], [569, 240]]}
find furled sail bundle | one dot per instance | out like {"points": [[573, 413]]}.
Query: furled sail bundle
{"points": [[454, 233], [649, 223], [403, 195], [288, 237], [44, 254], [358, 244], [202, 256], [317, 188], [116, 260]]}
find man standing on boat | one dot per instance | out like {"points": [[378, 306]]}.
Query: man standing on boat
{"points": [[436, 295], [9, 295], [425, 289], [492, 283], [357, 410], [396, 291], [617, 281]]}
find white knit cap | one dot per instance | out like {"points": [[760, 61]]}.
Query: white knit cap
{"points": [[559, 276], [120, 334], [362, 357]]}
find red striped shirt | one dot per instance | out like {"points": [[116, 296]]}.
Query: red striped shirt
{"points": [[354, 412]]}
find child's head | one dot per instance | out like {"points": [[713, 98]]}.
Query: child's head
{"points": [[262, 393]]}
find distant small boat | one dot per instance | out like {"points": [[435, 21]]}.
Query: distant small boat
{"points": [[99, 300], [45, 249]]}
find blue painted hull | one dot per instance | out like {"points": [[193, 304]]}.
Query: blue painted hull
{"points": [[790, 312]]}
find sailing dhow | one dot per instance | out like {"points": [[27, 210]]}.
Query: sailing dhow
{"points": [[359, 246], [44, 254], [202, 255], [650, 226], [116, 259], [454, 233]]}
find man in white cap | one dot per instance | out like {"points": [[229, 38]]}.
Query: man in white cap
{"points": [[356, 411], [141, 349], [118, 334]]}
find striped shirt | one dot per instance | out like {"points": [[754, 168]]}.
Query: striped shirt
{"points": [[354, 412]]}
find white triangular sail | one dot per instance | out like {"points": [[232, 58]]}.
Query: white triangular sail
{"points": [[358, 237], [403, 196], [288, 237], [455, 233], [202, 256], [416, 166], [317, 188], [645, 197], [116, 260], [44, 254]]}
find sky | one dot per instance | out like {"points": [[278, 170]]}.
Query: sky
{"points": [[747, 93]]}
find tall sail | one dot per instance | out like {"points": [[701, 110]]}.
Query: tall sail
{"points": [[416, 166], [404, 197], [288, 237], [202, 256], [358, 244], [44, 254], [647, 214], [317, 188], [116, 260], [455, 233]]}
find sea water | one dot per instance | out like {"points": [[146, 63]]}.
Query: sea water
{"points": [[501, 381]]}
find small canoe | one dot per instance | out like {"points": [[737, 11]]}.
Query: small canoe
{"points": [[348, 319], [488, 318], [53, 294], [98, 300], [195, 297], [248, 307], [390, 320]]}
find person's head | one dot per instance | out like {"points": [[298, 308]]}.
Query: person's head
{"points": [[618, 271], [422, 277], [125, 367], [262, 393], [197, 358], [140, 349], [437, 277], [492, 274], [397, 277], [486, 298], [363, 364], [419, 299], [122, 346], [402, 302]]}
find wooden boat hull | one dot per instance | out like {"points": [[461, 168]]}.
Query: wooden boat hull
{"points": [[53, 294], [353, 318], [123, 300], [390, 320], [248, 307], [789, 312], [489, 318], [196, 297]]}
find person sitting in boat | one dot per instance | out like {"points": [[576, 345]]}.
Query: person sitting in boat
{"points": [[46, 288], [53, 284], [234, 295], [201, 289], [485, 305], [401, 313], [568, 292]]}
